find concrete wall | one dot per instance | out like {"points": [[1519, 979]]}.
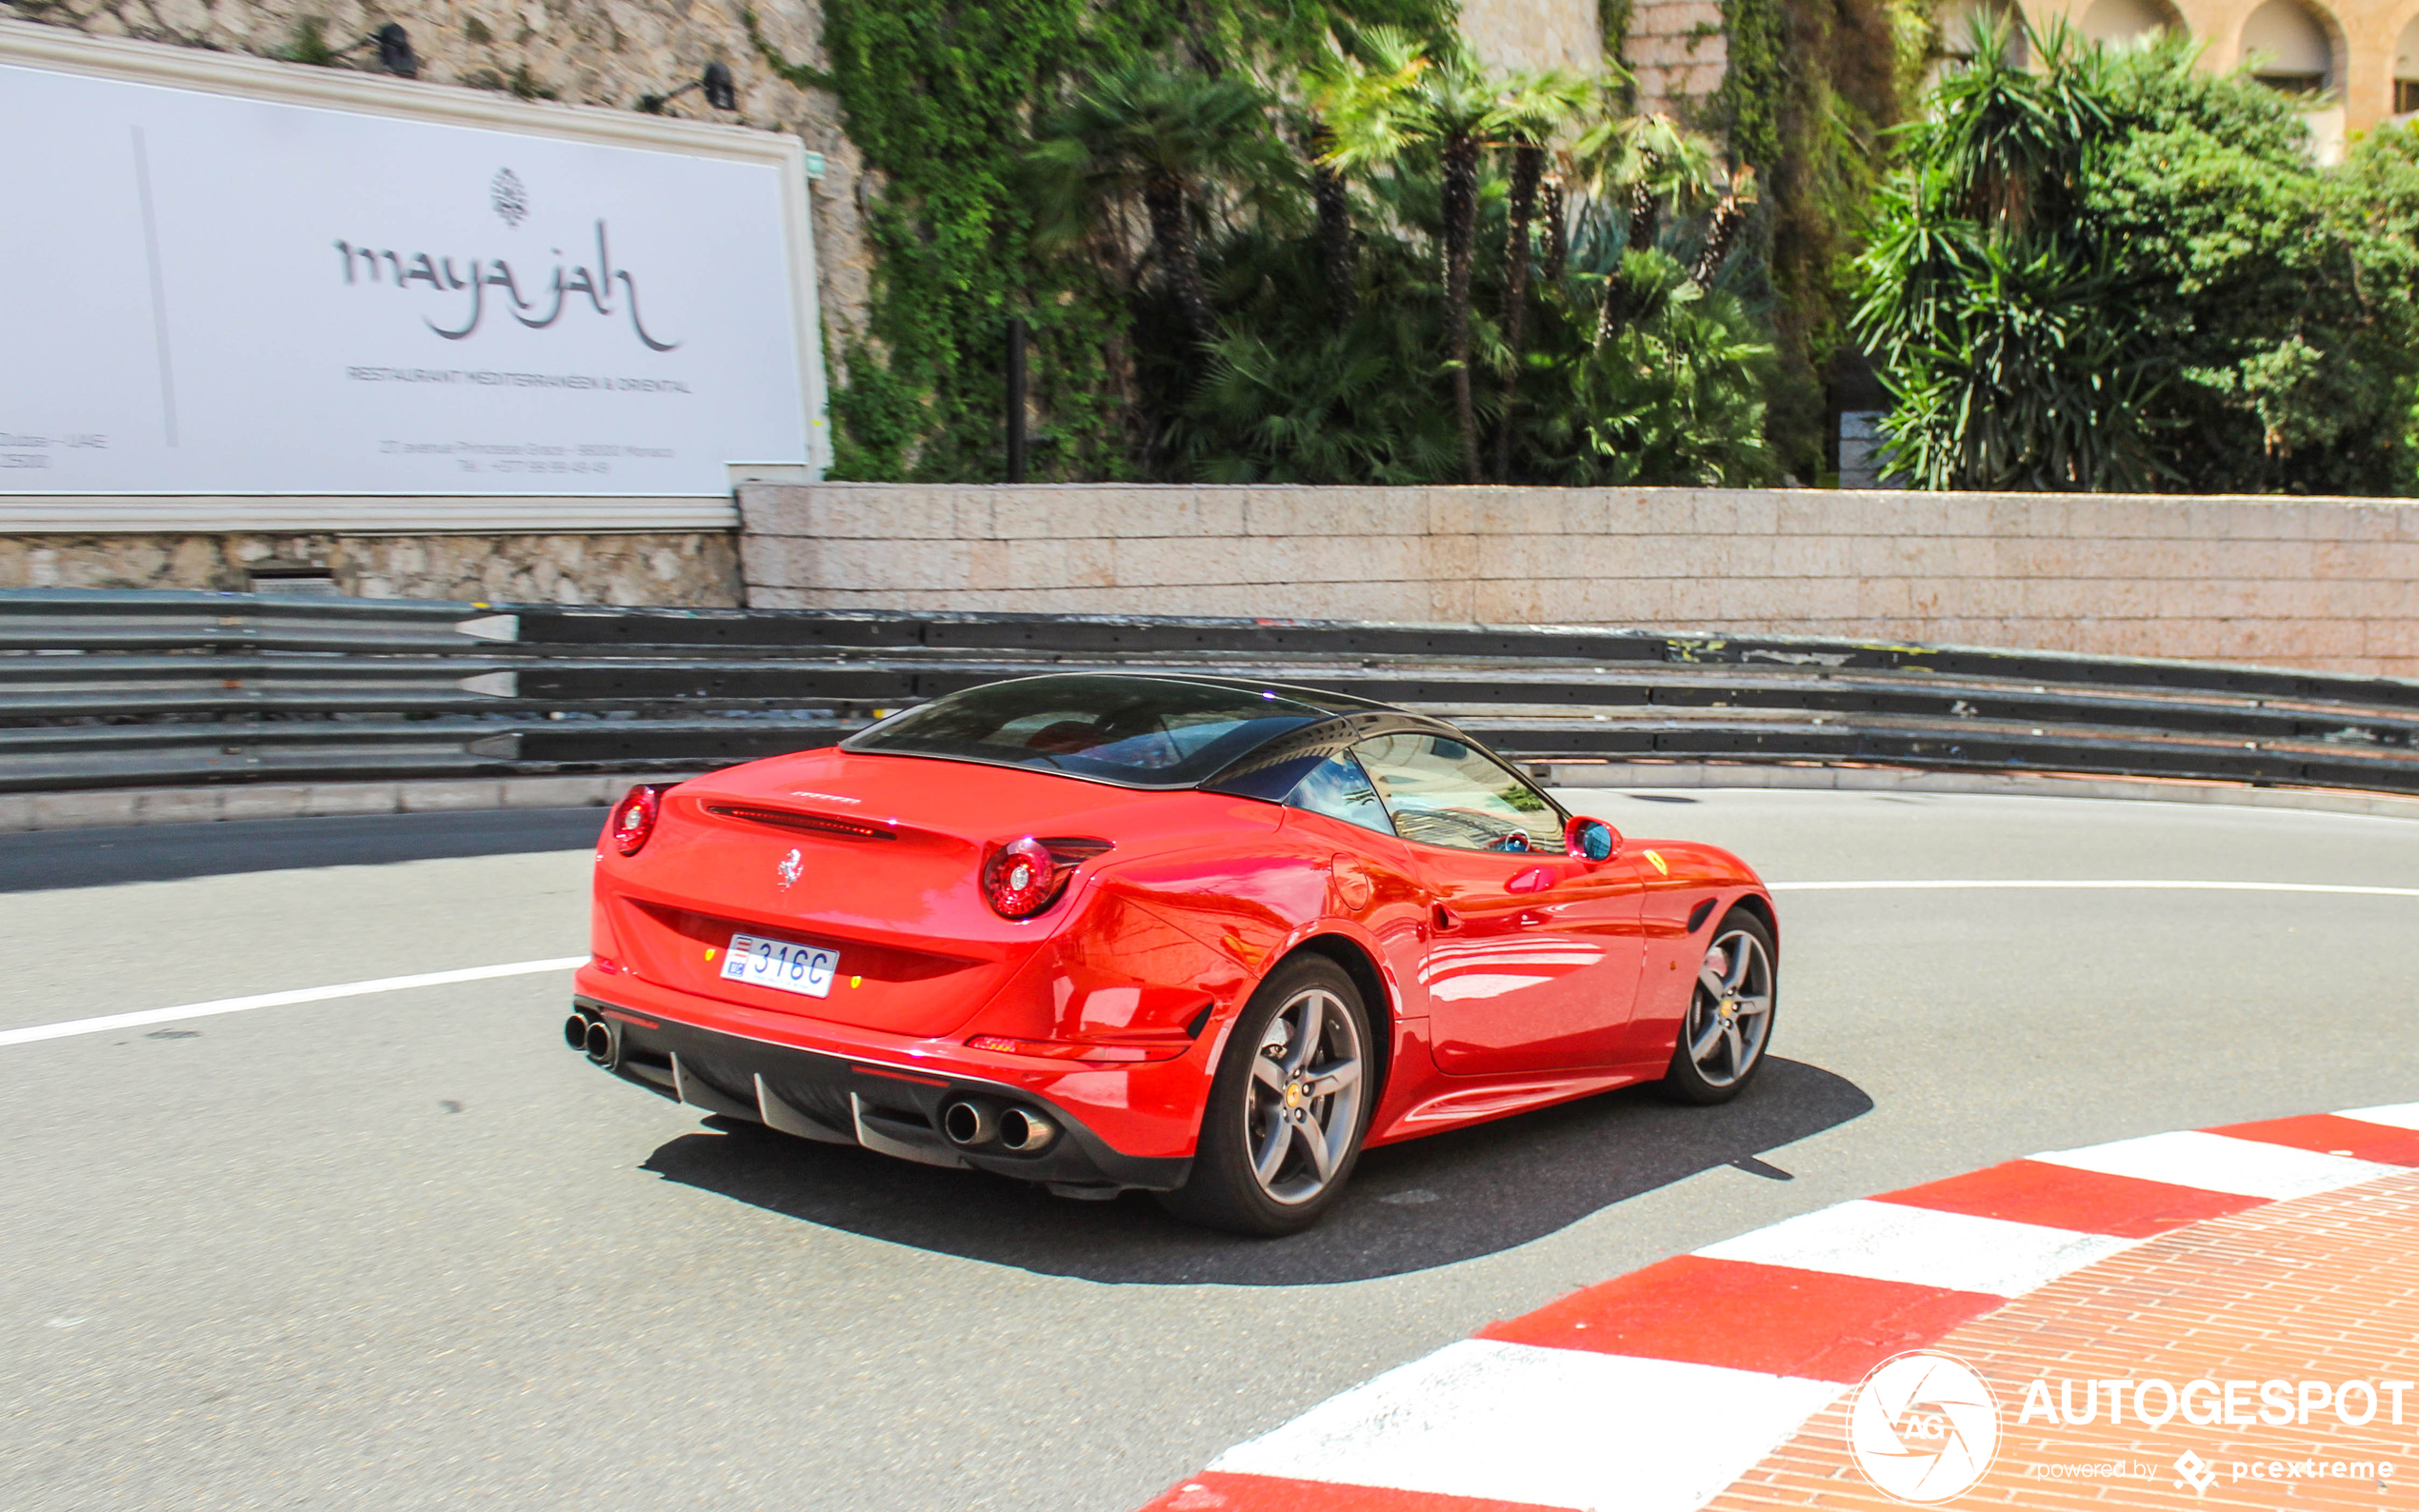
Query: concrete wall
{"points": [[2284, 582], [687, 569]]}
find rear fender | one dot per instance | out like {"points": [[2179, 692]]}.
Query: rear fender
{"points": [[1117, 973]]}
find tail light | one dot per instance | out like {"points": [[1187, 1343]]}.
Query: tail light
{"points": [[1024, 877], [634, 817]]}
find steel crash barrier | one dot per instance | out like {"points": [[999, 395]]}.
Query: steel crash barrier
{"points": [[103, 690]]}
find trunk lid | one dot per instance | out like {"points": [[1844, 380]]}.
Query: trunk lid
{"points": [[876, 857]]}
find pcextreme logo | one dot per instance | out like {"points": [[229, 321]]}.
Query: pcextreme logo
{"points": [[1924, 1427]]}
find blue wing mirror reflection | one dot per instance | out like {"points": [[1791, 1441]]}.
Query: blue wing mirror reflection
{"points": [[1590, 839]]}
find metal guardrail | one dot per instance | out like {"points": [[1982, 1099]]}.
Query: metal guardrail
{"points": [[110, 690]]}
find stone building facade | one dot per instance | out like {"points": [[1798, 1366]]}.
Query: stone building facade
{"points": [[2358, 60]]}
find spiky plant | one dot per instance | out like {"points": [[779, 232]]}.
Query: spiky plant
{"points": [[1643, 164], [1532, 108]]}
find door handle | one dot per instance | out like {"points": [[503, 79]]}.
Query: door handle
{"points": [[1535, 919], [1444, 918]]}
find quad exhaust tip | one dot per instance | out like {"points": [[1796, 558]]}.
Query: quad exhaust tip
{"points": [[1026, 1132], [968, 1124], [599, 1043], [576, 1031]]}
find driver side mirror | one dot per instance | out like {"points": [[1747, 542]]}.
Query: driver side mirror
{"points": [[1590, 839]]}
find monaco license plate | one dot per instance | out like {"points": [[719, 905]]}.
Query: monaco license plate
{"points": [[807, 969]]}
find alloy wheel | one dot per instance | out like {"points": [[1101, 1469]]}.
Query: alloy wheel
{"points": [[1302, 1105], [1730, 1013]]}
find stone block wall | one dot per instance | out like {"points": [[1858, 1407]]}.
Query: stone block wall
{"points": [[686, 569], [1679, 52], [2309, 583]]}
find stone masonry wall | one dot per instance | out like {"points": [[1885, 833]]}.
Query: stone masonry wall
{"points": [[2305, 582], [600, 52], [690, 569], [1679, 52]]}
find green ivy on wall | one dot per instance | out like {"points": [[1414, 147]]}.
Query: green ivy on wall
{"points": [[1810, 88], [940, 96]]}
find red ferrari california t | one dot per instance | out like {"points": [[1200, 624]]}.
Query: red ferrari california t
{"points": [[1201, 937]]}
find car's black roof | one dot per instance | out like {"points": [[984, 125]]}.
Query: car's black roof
{"points": [[1266, 762]]}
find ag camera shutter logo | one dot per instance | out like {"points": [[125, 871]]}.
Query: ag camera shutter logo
{"points": [[1924, 1427]]}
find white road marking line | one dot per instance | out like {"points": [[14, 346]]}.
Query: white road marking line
{"points": [[1921, 1247], [2399, 1115], [2215, 1162], [2092, 885], [1550, 1427], [278, 1000]]}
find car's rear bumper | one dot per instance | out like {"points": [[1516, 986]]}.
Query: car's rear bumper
{"points": [[846, 1100]]}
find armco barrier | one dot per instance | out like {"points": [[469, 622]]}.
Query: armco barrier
{"points": [[122, 688]]}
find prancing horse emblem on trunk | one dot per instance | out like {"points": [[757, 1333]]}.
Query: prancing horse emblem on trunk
{"points": [[790, 865]]}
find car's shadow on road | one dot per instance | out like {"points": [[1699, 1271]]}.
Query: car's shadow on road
{"points": [[1411, 1207]]}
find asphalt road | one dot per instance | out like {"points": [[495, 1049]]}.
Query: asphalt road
{"points": [[406, 1250]]}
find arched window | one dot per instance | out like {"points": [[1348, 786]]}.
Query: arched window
{"points": [[2407, 70], [2117, 21], [2288, 49]]}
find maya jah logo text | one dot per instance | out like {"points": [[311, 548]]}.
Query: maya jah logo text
{"points": [[1925, 1427], [509, 199], [468, 284]]}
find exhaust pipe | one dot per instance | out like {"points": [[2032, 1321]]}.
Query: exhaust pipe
{"points": [[968, 1124], [599, 1043], [576, 1031], [1026, 1132]]}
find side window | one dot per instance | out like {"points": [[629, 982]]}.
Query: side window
{"points": [[1442, 792], [1338, 788]]}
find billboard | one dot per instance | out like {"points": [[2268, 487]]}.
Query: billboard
{"points": [[206, 293]]}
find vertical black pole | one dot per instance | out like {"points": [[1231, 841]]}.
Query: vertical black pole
{"points": [[1016, 399]]}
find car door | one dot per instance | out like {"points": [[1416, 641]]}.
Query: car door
{"points": [[1534, 957]]}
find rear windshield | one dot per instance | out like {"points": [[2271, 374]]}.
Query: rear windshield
{"points": [[1142, 731]]}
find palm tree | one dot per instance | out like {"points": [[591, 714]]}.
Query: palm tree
{"points": [[1165, 135], [1649, 161], [1329, 85], [1534, 108], [1450, 103], [1722, 231]]}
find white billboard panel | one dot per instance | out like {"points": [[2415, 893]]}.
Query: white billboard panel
{"points": [[207, 294]]}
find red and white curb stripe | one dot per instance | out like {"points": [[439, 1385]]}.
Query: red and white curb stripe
{"points": [[1655, 1391]]}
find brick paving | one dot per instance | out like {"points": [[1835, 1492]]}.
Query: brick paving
{"points": [[2320, 1288], [2226, 1283]]}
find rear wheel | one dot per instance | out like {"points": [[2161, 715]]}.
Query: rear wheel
{"points": [[1730, 1017], [1288, 1108]]}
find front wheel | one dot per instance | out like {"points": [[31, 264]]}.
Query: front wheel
{"points": [[1288, 1107], [1730, 1017]]}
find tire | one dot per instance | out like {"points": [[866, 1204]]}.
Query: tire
{"points": [[1267, 1100], [1723, 1036]]}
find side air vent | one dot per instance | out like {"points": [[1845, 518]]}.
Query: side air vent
{"points": [[812, 824]]}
